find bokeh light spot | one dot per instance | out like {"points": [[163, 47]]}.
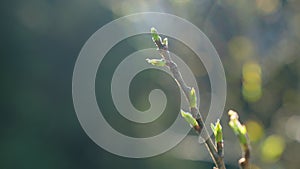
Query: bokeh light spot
{"points": [[292, 129], [267, 6], [255, 130], [272, 148], [252, 89]]}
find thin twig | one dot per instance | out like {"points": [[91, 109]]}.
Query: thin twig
{"points": [[241, 132], [244, 162], [163, 50], [220, 148]]}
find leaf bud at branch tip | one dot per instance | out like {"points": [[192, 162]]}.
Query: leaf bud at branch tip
{"points": [[239, 130], [217, 129], [193, 98], [155, 35]]}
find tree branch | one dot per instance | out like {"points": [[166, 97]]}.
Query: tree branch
{"points": [[201, 129]]}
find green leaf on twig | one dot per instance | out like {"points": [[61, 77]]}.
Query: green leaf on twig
{"points": [[217, 129], [193, 98], [189, 118], [239, 130], [157, 62], [165, 42], [155, 35]]}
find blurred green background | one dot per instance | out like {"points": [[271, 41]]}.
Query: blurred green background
{"points": [[258, 43]]}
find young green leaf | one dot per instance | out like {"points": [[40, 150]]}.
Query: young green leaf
{"points": [[239, 130], [155, 35], [193, 98], [217, 129], [189, 118], [165, 42], [157, 62]]}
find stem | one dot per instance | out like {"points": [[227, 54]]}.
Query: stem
{"points": [[220, 148], [244, 162], [241, 132], [163, 50]]}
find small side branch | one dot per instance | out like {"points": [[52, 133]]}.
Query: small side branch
{"points": [[241, 132]]}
